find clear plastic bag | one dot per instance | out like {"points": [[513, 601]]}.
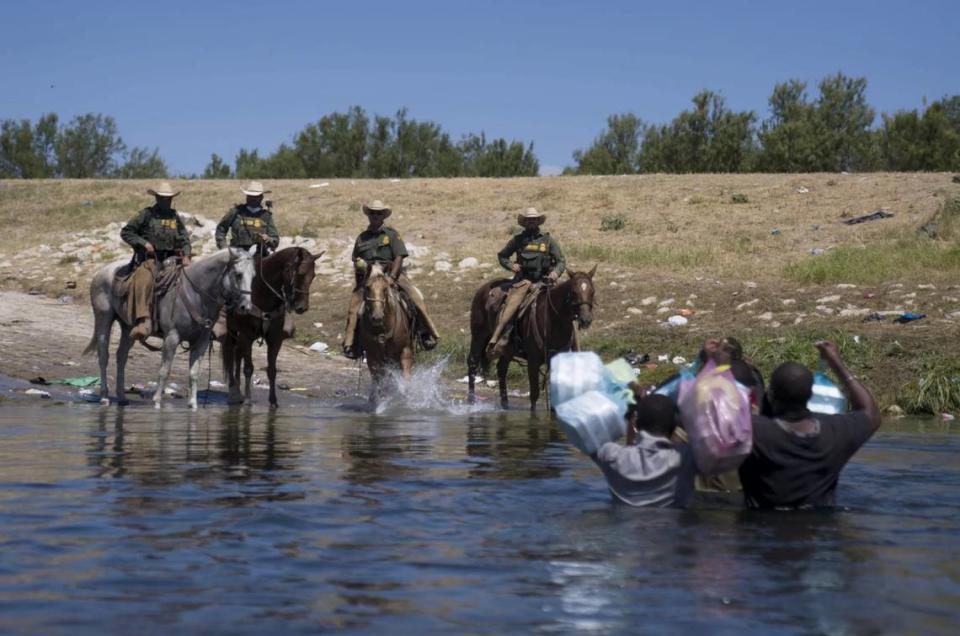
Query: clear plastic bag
{"points": [[592, 419], [827, 397], [575, 373], [716, 415]]}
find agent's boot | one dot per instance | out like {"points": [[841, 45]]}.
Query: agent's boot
{"points": [[142, 330]]}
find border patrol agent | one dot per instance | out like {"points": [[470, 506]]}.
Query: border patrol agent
{"points": [[538, 259], [382, 244], [155, 234], [249, 224]]}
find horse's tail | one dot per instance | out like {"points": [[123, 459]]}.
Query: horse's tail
{"points": [[91, 346]]}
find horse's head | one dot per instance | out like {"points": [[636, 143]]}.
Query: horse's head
{"points": [[238, 278], [580, 296], [376, 293], [298, 273]]}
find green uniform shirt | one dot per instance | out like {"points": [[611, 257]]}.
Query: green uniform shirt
{"points": [[381, 246], [245, 226], [162, 228], [537, 253]]}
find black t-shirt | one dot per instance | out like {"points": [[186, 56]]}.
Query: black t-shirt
{"points": [[789, 470]]}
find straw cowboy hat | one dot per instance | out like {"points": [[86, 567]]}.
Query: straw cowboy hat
{"points": [[532, 213], [377, 206], [163, 189], [254, 189]]}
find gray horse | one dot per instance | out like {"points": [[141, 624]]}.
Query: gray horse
{"points": [[185, 314]]}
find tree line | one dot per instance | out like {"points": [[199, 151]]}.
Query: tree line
{"points": [[831, 132], [349, 144]]}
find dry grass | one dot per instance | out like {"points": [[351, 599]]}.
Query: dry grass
{"points": [[683, 237]]}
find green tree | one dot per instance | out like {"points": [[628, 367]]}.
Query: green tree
{"points": [[143, 163], [217, 168], [788, 138], [335, 146], [931, 141], [709, 138], [28, 152], [497, 158], [616, 150], [843, 120], [89, 146]]}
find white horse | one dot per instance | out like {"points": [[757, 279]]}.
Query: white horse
{"points": [[186, 313]]}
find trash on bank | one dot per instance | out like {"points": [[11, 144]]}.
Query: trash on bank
{"points": [[319, 346], [947, 417], [906, 317], [43, 394], [677, 321], [866, 218]]}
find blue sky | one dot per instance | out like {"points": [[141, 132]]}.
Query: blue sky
{"points": [[198, 77]]}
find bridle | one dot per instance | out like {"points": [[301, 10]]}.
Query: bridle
{"points": [[571, 301], [295, 292]]}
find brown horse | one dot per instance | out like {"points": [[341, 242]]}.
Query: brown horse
{"points": [[281, 285], [385, 330], [544, 330]]}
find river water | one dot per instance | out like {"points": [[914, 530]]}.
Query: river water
{"points": [[324, 517]]}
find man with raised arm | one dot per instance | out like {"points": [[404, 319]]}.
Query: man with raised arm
{"points": [[797, 455]]}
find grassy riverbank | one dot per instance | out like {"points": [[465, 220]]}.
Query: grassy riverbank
{"points": [[765, 258]]}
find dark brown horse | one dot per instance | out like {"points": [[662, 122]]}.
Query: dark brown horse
{"points": [[281, 285], [544, 330], [385, 330]]}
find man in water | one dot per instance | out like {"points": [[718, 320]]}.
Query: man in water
{"points": [[538, 260], [650, 470], [155, 233], [797, 455], [380, 244]]}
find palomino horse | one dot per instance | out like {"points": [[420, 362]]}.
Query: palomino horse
{"points": [[282, 285], [385, 330], [544, 330], [185, 313]]}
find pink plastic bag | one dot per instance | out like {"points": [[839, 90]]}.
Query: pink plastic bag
{"points": [[715, 412]]}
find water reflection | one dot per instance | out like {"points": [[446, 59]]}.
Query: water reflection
{"points": [[512, 447]]}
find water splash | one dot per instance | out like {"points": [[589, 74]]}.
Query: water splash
{"points": [[425, 390]]}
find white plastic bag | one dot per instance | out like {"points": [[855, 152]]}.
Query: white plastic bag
{"points": [[574, 373], [591, 420]]}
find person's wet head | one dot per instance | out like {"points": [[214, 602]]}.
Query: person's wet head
{"points": [[656, 415], [791, 386]]}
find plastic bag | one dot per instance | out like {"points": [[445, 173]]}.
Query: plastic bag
{"points": [[574, 373], [592, 419], [716, 415], [671, 388], [827, 398]]}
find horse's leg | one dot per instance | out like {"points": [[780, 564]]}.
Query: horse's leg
{"points": [[274, 341], [103, 327], [406, 361], [198, 347], [502, 365], [169, 349], [228, 353], [123, 350], [247, 355], [473, 364], [533, 376]]}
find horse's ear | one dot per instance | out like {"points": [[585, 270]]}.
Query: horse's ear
{"points": [[252, 251], [317, 256], [592, 272]]}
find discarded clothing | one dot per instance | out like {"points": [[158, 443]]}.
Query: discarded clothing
{"points": [[909, 317], [873, 317], [873, 216]]}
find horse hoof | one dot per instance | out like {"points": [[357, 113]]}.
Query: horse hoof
{"points": [[504, 404], [156, 406], [233, 401], [123, 402], [104, 401], [274, 405]]}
